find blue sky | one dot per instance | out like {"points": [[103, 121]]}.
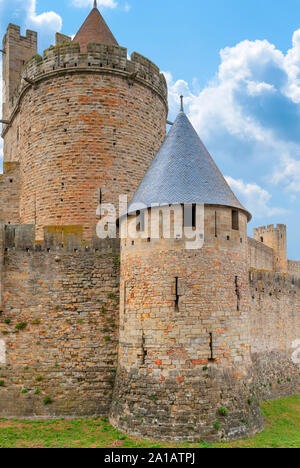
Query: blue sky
{"points": [[238, 64]]}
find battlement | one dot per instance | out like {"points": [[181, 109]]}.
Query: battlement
{"points": [[14, 31], [274, 236], [62, 39], [9, 167], [294, 267], [270, 228], [17, 49], [270, 281], [100, 58], [65, 239]]}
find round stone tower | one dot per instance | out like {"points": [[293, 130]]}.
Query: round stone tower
{"points": [[89, 121], [185, 370]]}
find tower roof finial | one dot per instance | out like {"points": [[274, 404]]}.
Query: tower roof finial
{"points": [[181, 105], [94, 30]]}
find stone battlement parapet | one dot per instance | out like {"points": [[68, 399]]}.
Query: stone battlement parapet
{"points": [[100, 58], [270, 228], [56, 239]]}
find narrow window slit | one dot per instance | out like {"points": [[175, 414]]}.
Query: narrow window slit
{"points": [[144, 351], [216, 232], [176, 295], [211, 347], [237, 292], [100, 202]]}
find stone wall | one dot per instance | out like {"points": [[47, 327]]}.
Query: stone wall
{"points": [[275, 331], [260, 256], [274, 237], [58, 323], [11, 147], [294, 267], [184, 350], [10, 193]]}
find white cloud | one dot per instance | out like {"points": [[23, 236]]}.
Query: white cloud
{"points": [[255, 89], [251, 105], [49, 21], [288, 173], [254, 198], [90, 3], [127, 7]]}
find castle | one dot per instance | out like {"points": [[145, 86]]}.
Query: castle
{"points": [[169, 343]]}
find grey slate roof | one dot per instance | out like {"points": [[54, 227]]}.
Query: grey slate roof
{"points": [[184, 172]]}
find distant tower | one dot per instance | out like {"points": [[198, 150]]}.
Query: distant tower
{"points": [[84, 122], [16, 51], [275, 237], [185, 371]]}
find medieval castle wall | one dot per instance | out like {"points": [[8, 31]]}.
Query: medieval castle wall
{"points": [[275, 332], [79, 129], [274, 237], [10, 193], [260, 256], [294, 267], [199, 330], [275, 307], [185, 336], [58, 322], [92, 121]]}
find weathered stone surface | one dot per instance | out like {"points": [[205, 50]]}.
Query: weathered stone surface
{"points": [[85, 122], [67, 349], [166, 364]]}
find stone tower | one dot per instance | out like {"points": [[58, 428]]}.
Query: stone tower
{"points": [[83, 122], [185, 370], [275, 237]]}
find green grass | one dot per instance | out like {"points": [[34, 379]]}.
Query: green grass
{"points": [[282, 419]]}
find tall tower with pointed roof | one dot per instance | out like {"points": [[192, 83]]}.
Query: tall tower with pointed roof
{"points": [[84, 122], [81, 124], [185, 370]]}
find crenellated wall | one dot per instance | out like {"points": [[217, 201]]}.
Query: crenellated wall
{"points": [[293, 267], [275, 332], [17, 49], [58, 322], [274, 237], [101, 58]]}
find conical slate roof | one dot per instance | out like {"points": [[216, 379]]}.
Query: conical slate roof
{"points": [[95, 30], [184, 172]]}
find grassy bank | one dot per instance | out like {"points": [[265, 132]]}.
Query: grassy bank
{"points": [[282, 419]]}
